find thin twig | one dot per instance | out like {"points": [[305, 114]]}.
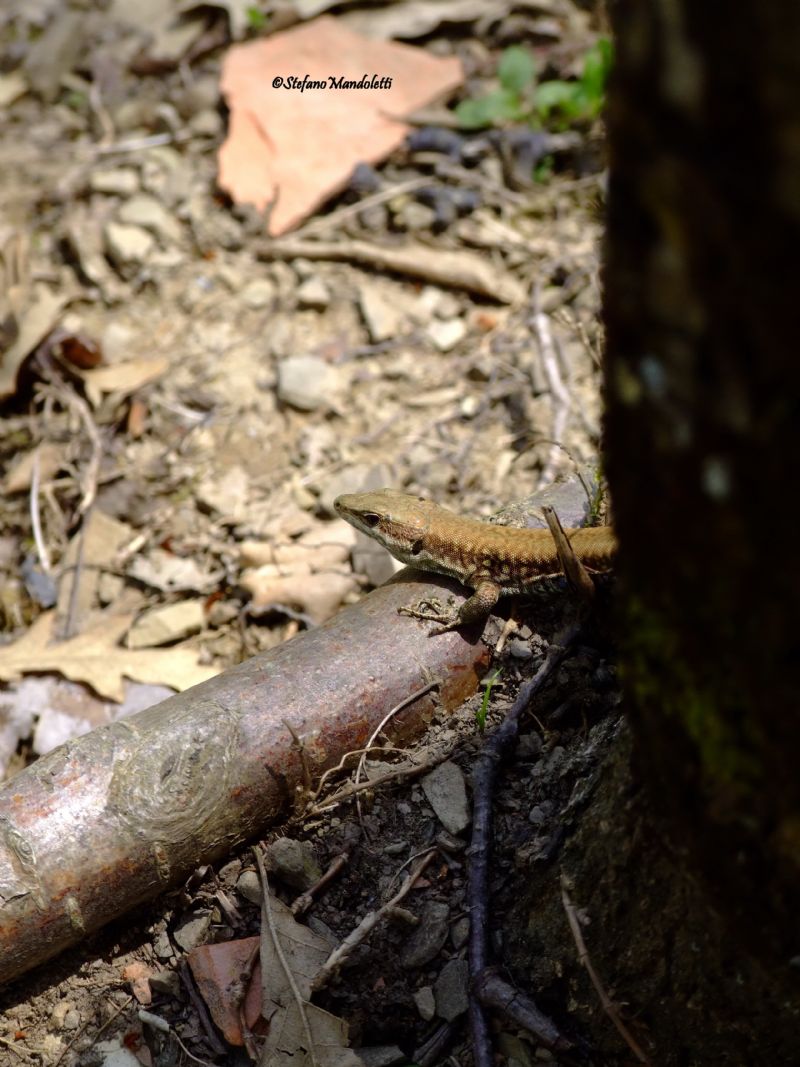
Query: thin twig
{"points": [[36, 519], [605, 1000], [268, 918], [352, 788], [561, 398], [97, 1034], [366, 926], [484, 776], [389, 715]]}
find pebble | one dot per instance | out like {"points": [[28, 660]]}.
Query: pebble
{"points": [[192, 931], [452, 990], [122, 181], [425, 1002], [128, 246], [294, 863], [446, 333], [206, 123], [381, 317], [313, 294], [446, 792], [258, 294], [306, 382], [148, 212], [429, 937], [250, 887]]}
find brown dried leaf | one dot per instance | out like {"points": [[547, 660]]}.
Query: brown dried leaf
{"points": [[294, 149], [96, 658]]}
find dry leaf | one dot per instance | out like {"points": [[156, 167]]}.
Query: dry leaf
{"points": [[34, 323], [294, 149], [96, 658], [122, 378], [51, 456], [304, 952]]}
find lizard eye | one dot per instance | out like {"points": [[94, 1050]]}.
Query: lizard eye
{"points": [[371, 519], [417, 547]]}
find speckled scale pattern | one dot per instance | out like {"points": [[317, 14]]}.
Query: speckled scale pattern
{"points": [[426, 535]]}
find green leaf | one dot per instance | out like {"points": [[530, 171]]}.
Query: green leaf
{"points": [[256, 19], [499, 106], [517, 69], [555, 94], [596, 68]]}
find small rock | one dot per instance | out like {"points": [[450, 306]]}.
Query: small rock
{"points": [[59, 1014], [258, 294], [446, 793], [459, 932], [381, 1056], [412, 216], [294, 863], [452, 990], [536, 816], [425, 1002], [306, 382], [162, 946], [128, 246], [429, 937], [313, 294], [250, 887], [395, 848], [118, 341], [446, 333], [448, 305], [119, 1057], [192, 931], [145, 211], [381, 317], [122, 181], [72, 1019], [167, 982], [170, 623], [206, 123]]}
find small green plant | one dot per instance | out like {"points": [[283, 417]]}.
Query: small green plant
{"points": [[256, 19], [522, 98], [488, 682]]}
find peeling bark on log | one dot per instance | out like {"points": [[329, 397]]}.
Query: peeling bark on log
{"points": [[113, 818]]}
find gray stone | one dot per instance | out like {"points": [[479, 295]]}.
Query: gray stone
{"points": [[382, 318], [446, 793], [446, 333], [381, 1056], [294, 863], [206, 123], [250, 887], [192, 931], [128, 246], [452, 990], [166, 982], [146, 211], [306, 382], [121, 181], [429, 937], [258, 294], [425, 1002], [313, 294]]}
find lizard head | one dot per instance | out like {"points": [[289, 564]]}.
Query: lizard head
{"points": [[399, 521]]}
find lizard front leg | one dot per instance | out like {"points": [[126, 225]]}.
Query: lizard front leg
{"points": [[475, 609]]}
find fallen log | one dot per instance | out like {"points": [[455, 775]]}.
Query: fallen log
{"points": [[115, 817]]}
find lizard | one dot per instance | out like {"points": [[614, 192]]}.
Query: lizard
{"points": [[491, 560]]}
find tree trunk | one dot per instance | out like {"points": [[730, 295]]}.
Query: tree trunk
{"points": [[703, 389], [686, 856]]}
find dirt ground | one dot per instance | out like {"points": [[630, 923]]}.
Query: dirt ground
{"points": [[236, 396]]}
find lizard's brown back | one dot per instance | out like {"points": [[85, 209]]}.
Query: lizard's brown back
{"points": [[428, 536]]}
